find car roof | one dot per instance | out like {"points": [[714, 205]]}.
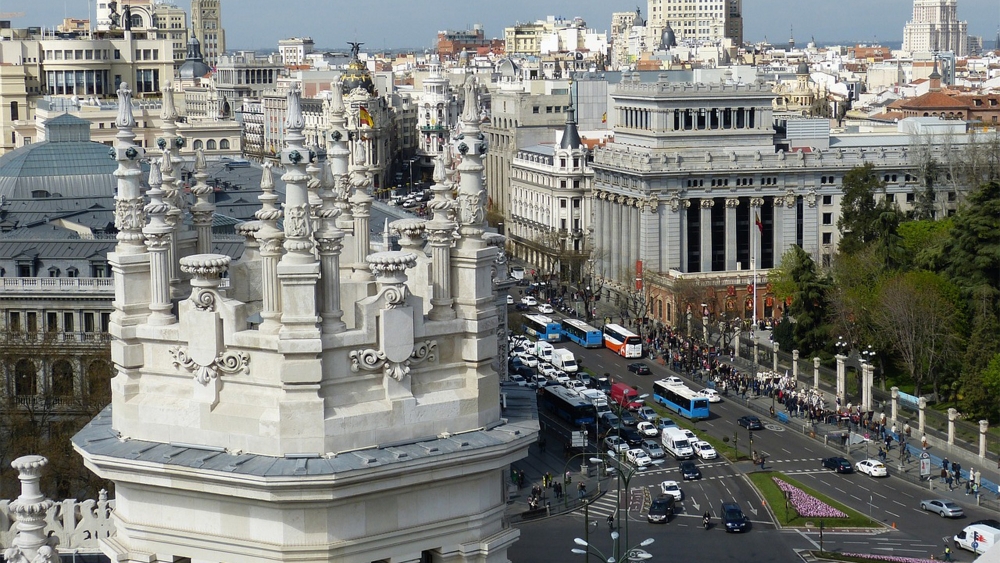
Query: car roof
{"points": [[670, 483], [731, 506]]}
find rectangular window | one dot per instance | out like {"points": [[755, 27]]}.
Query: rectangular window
{"points": [[105, 322], [88, 322], [14, 324], [52, 322], [576, 203], [827, 238], [828, 200], [910, 197], [14, 114], [828, 218], [890, 197], [562, 204], [32, 322], [68, 322], [534, 109]]}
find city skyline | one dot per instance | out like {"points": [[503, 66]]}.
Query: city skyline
{"points": [[416, 27]]}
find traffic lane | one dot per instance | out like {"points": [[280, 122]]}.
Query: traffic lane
{"points": [[682, 539], [893, 544], [720, 482]]}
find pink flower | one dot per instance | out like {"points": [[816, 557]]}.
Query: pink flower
{"points": [[807, 505], [891, 558]]}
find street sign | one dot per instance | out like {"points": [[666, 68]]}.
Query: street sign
{"points": [[579, 439]]}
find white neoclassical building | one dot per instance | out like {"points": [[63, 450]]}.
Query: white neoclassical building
{"points": [[358, 419]]}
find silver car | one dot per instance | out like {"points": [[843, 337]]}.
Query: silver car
{"points": [[944, 508], [653, 449]]}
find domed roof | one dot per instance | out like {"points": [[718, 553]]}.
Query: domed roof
{"points": [[67, 163], [194, 65], [668, 39], [357, 76], [803, 68], [508, 68]]}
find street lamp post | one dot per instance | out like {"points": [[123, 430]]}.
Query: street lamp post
{"points": [[634, 553]]}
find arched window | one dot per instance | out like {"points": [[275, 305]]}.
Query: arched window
{"points": [[25, 378], [210, 145], [224, 144], [98, 383], [198, 145], [62, 379]]}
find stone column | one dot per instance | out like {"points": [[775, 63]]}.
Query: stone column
{"points": [[653, 238], [866, 386], [635, 212], [298, 270], [894, 392], [706, 234], [329, 243], [339, 156], [158, 235], [171, 144], [361, 204], [616, 237], [270, 238], [795, 365], [774, 358], [731, 204], [984, 426], [952, 415], [841, 375], [755, 245], [682, 240], [441, 235], [30, 544], [778, 230], [921, 406], [816, 372], [203, 210], [788, 221]]}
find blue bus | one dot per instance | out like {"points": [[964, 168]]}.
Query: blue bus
{"points": [[582, 333], [680, 399], [542, 328], [568, 406]]}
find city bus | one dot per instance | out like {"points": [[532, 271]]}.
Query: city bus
{"points": [[624, 343], [569, 406], [680, 399], [542, 328], [582, 333]]}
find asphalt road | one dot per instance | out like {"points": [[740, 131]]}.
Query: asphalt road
{"points": [[907, 531]]}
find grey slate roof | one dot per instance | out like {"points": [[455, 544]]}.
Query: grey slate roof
{"points": [[99, 439]]}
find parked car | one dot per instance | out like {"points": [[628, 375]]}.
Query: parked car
{"points": [[750, 422], [664, 423], [838, 464], [711, 394], [733, 518], [647, 429], [653, 448], [510, 299], [628, 419], [692, 437], [638, 457], [871, 468], [639, 368], [944, 508], [646, 413], [705, 450], [633, 438], [672, 489], [690, 471], [529, 360]]}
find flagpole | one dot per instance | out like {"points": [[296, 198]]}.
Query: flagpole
{"points": [[753, 265]]}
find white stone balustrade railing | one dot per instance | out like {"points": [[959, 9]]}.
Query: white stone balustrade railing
{"points": [[57, 285], [78, 524]]}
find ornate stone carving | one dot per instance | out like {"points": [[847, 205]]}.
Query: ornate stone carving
{"points": [[757, 202], [370, 359], [129, 214], [790, 199], [732, 202], [124, 120], [707, 203], [225, 362], [653, 202], [208, 266], [471, 208], [811, 198], [296, 220]]}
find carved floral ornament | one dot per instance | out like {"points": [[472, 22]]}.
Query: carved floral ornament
{"points": [[370, 359], [225, 362]]}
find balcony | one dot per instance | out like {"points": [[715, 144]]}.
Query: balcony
{"points": [[15, 337], [54, 286]]}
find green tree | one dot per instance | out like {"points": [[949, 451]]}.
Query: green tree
{"points": [[972, 253], [859, 209], [854, 294], [978, 397], [923, 242], [799, 278]]}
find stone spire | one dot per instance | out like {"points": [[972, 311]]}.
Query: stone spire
{"points": [[339, 155], [441, 235], [203, 210], [361, 203], [158, 234], [571, 135], [471, 144], [171, 143], [270, 238], [129, 217], [298, 270], [31, 544]]}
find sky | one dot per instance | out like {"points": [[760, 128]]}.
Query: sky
{"points": [[386, 24]]}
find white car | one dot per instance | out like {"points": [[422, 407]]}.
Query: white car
{"points": [[529, 360], [615, 444], [672, 380], [871, 467], [711, 394], [692, 437], [520, 381], [548, 371], [705, 450], [510, 299], [647, 413], [545, 309], [529, 301], [647, 429], [671, 488], [638, 457], [577, 385]]}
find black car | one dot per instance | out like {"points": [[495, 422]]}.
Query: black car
{"points": [[661, 510], [690, 471], [628, 419], [838, 464], [750, 422], [639, 368], [633, 438], [733, 518]]}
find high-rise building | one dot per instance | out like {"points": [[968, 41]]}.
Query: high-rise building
{"points": [[697, 21], [935, 27], [206, 19]]}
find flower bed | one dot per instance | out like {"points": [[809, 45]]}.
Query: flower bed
{"points": [[807, 505], [892, 558]]}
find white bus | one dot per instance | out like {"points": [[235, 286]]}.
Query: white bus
{"points": [[623, 342]]}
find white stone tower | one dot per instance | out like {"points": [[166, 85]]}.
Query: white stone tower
{"points": [[349, 430]]}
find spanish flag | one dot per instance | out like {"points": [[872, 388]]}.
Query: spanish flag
{"points": [[604, 118], [365, 118], [760, 226]]}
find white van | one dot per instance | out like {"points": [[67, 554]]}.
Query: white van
{"points": [[676, 443], [544, 351], [977, 538], [564, 360]]}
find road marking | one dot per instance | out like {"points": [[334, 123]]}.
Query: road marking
{"points": [[899, 503], [878, 495], [786, 451], [893, 513], [858, 498], [841, 490]]}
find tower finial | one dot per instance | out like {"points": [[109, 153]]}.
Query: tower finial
{"points": [[125, 119]]}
